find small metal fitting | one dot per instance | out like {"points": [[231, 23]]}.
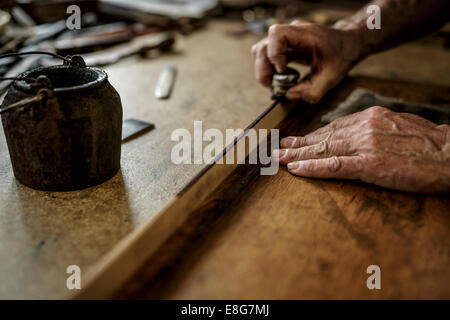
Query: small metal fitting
{"points": [[282, 82], [75, 61]]}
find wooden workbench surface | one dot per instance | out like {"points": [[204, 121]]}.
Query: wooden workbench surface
{"points": [[285, 237], [41, 233]]}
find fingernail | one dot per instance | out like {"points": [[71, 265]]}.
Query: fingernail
{"points": [[292, 165], [278, 154]]}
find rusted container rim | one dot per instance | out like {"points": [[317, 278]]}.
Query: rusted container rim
{"points": [[65, 79]]}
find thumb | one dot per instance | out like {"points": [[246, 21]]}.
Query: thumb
{"points": [[312, 88]]}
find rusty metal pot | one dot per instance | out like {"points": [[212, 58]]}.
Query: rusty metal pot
{"points": [[63, 126]]}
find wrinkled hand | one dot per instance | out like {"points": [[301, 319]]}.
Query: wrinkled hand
{"points": [[394, 150], [330, 52]]}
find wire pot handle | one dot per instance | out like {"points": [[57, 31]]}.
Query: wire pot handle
{"points": [[41, 95], [74, 60], [18, 54], [38, 82]]}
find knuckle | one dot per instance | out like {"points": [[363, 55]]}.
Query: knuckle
{"points": [[322, 148], [334, 164], [254, 49], [298, 22], [288, 142], [376, 110], [309, 166], [259, 49], [373, 162], [294, 154], [370, 123], [334, 124], [300, 141], [314, 28], [272, 55], [312, 98], [275, 29]]}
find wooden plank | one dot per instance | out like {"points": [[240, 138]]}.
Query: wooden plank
{"points": [[111, 272]]}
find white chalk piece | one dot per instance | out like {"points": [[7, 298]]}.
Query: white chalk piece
{"points": [[165, 83]]}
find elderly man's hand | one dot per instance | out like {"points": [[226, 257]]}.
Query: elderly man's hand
{"points": [[330, 52], [394, 150]]}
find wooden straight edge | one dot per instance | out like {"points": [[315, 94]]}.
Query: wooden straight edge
{"points": [[112, 271]]}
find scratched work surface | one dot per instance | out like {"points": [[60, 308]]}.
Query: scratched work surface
{"points": [[285, 237], [41, 233]]}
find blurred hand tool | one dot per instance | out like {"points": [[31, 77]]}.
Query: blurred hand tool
{"points": [[87, 42], [168, 8], [24, 65], [165, 82], [4, 20], [141, 45], [45, 11], [21, 17], [46, 31], [98, 37]]}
